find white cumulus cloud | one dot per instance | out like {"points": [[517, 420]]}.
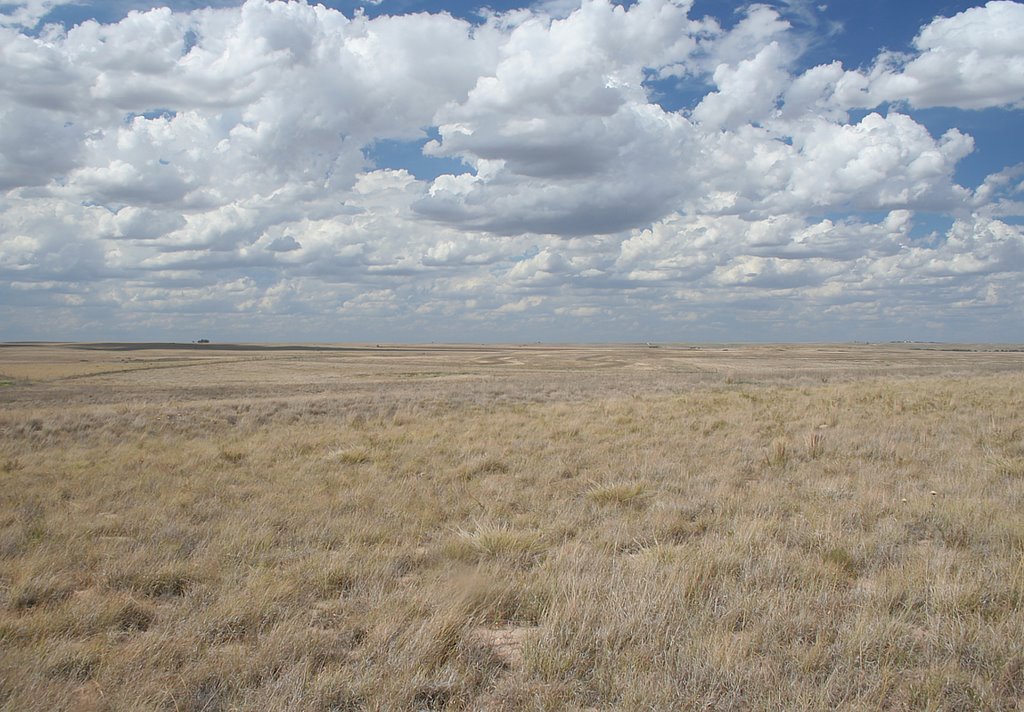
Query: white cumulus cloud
{"points": [[222, 161], [972, 60]]}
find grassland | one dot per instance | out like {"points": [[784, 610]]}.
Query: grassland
{"points": [[506, 528]]}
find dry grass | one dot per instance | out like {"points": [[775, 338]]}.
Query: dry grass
{"points": [[504, 529]]}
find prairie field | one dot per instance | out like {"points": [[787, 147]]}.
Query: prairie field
{"points": [[304, 527]]}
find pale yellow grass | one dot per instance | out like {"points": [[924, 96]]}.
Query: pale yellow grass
{"points": [[56, 362], [517, 529]]}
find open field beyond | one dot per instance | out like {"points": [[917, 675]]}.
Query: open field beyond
{"points": [[511, 528]]}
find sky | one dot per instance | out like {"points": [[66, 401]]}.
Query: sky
{"points": [[441, 170]]}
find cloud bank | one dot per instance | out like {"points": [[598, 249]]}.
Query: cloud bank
{"points": [[215, 169]]}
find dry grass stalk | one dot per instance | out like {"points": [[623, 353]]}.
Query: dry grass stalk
{"points": [[441, 530]]}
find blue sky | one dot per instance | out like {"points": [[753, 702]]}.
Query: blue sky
{"points": [[557, 171]]}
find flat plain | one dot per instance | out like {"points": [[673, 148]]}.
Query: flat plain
{"points": [[479, 527]]}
